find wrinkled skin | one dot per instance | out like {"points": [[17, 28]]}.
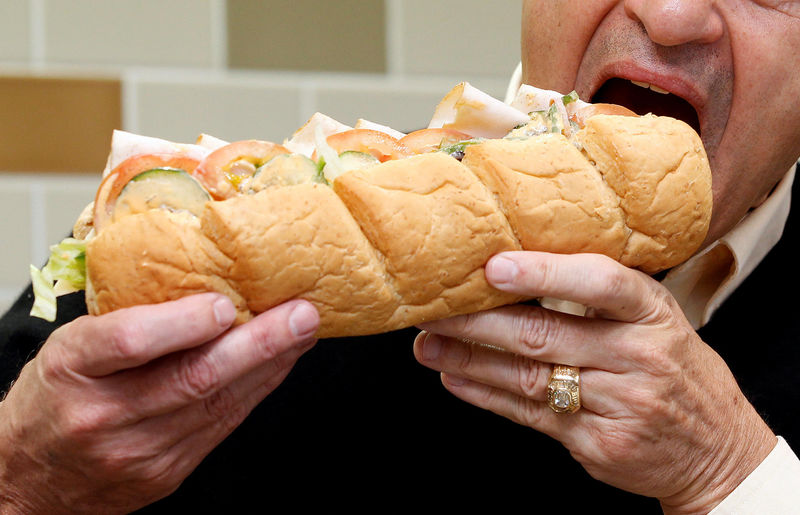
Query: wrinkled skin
{"points": [[662, 415], [113, 414], [115, 411]]}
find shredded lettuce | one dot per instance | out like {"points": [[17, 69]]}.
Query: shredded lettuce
{"points": [[64, 272], [570, 98], [333, 165]]}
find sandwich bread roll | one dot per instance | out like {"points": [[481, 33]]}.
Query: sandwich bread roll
{"points": [[396, 243]]}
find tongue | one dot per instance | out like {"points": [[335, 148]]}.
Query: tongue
{"points": [[643, 101]]}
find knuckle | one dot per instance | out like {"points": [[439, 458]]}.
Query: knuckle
{"points": [[84, 424], [152, 474], [162, 472], [662, 306], [124, 340], [220, 404], [536, 329], [266, 344], [613, 281], [524, 411], [467, 324], [233, 418], [51, 363], [615, 445], [465, 360], [529, 375], [198, 377], [118, 463], [658, 361]]}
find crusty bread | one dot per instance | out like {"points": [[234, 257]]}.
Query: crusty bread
{"points": [[406, 241]]}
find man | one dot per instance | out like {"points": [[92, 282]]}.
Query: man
{"points": [[116, 411], [664, 417]]}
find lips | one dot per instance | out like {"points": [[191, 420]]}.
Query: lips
{"points": [[643, 98]]}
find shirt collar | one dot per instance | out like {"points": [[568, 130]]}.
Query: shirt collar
{"points": [[702, 283]]}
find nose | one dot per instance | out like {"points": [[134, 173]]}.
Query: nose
{"points": [[675, 22]]}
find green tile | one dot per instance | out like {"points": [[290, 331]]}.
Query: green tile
{"points": [[346, 35], [14, 30], [121, 32]]}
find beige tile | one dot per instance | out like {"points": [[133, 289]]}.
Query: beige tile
{"points": [[345, 35], [467, 37], [57, 124], [14, 30], [403, 105], [400, 109], [115, 32], [15, 225], [228, 109], [65, 198]]}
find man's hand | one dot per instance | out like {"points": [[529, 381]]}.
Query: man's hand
{"points": [[662, 415], [117, 410]]}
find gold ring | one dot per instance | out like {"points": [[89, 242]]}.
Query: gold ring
{"points": [[564, 389]]}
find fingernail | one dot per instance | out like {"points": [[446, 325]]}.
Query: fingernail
{"points": [[431, 347], [303, 320], [224, 312], [454, 380], [501, 270]]}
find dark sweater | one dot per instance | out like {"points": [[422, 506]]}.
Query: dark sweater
{"points": [[359, 424]]}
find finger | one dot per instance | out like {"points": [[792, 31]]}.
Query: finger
{"points": [[100, 345], [615, 291], [545, 335], [187, 454], [165, 451], [510, 372], [524, 411], [184, 378], [227, 407]]}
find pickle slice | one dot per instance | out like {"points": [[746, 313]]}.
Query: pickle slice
{"points": [[286, 170], [161, 188]]}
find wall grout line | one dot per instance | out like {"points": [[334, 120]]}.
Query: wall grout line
{"points": [[307, 101], [394, 37], [37, 33], [219, 34], [130, 101]]}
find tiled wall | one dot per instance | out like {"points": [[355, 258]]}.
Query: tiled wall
{"points": [[73, 70]]}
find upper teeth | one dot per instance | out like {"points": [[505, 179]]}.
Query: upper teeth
{"points": [[651, 86]]}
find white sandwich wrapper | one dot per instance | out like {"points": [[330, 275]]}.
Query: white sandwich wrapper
{"points": [[127, 144], [303, 141], [470, 110], [366, 124]]}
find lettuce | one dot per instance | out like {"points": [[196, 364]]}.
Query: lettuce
{"points": [[64, 272]]}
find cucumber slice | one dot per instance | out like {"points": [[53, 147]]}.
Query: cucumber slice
{"points": [[161, 188], [286, 170], [354, 160], [457, 150], [350, 160]]}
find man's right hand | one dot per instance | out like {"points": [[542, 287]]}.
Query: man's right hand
{"points": [[117, 410]]}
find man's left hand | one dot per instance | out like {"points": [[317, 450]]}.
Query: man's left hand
{"points": [[661, 412]]}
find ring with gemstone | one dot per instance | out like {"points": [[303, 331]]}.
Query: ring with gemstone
{"points": [[564, 389]]}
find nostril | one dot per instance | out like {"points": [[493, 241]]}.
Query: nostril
{"points": [[677, 22]]}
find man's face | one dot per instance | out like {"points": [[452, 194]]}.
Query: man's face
{"points": [[731, 67]]}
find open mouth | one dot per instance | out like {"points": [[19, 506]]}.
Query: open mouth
{"points": [[644, 98]]}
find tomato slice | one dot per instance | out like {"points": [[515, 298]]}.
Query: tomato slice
{"points": [[590, 110], [224, 170], [369, 141], [430, 140], [111, 186]]}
